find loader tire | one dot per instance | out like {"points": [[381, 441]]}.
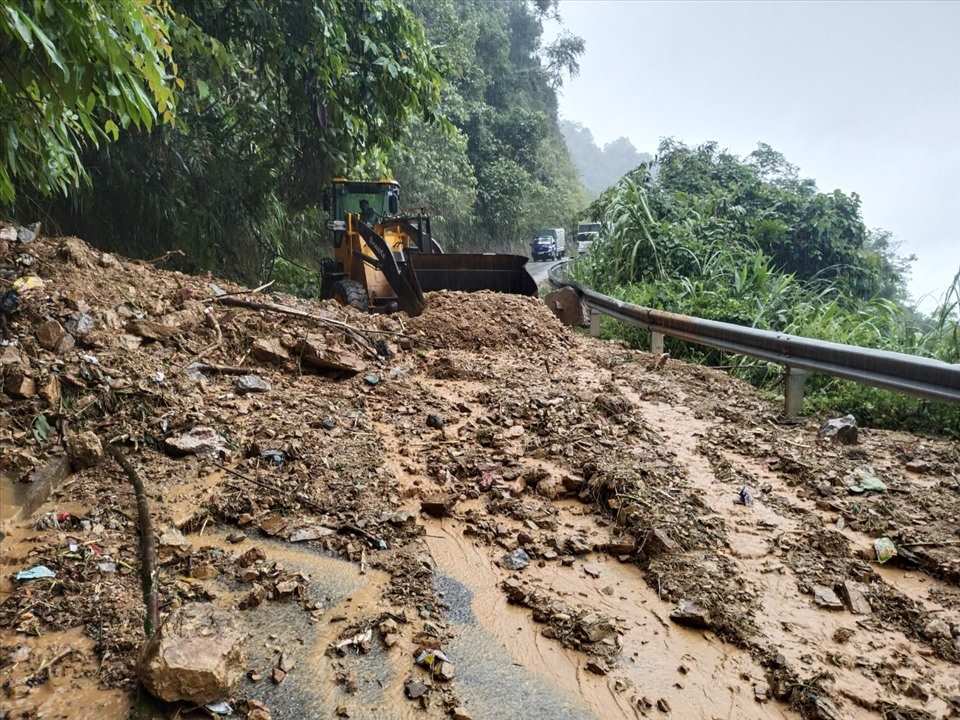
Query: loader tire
{"points": [[352, 293]]}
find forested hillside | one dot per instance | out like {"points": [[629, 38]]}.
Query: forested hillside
{"points": [[747, 240], [599, 167], [217, 123]]}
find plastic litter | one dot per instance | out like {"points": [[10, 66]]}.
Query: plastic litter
{"points": [[864, 480], [744, 497], [27, 282], [219, 708], [37, 572], [885, 549]]}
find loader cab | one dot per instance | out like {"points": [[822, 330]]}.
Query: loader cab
{"points": [[382, 197]]}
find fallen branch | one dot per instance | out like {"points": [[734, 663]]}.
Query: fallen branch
{"points": [[148, 549], [359, 334]]}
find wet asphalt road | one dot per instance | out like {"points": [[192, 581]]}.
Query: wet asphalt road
{"points": [[538, 270]]}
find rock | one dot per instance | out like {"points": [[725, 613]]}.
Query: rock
{"points": [[256, 710], [761, 692], [80, 324], [864, 480], [18, 384], [252, 384], [438, 506], [826, 598], [269, 350], [435, 421], [52, 392], [200, 440], [310, 532], [663, 705], [918, 466], [566, 305], [842, 430], [937, 629], [51, 336], [328, 424], [658, 542], [75, 251], [461, 713], [445, 671], [196, 656], [149, 330], [315, 354], [855, 598], [690, 614], [516, 560], [86, 450], [592, 570], [596, 667], [414, 689]]}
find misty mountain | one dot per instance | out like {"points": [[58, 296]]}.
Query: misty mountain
{"points": [[599, 168]]}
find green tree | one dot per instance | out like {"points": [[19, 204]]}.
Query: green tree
{"points": [[279, 97], [72, 74]]}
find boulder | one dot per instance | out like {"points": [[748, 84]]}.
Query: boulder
{"points": [[197, 441], [691, 614], [51, 336], [252, 384], [195, 657], [842, 430], [269, 350], [149, 330], [565, 304], [316, 354], [18, 384], [86, 450]]}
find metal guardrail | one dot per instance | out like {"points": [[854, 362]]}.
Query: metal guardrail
{"points": [[800, 356]]}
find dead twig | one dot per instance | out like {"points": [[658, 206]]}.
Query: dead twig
{"points": [[166, 256], [148, 548], [261, 288]]}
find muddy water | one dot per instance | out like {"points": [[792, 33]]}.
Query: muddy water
{"points": [[72, 692], [802, 632], [514, 672], [13, 494]]}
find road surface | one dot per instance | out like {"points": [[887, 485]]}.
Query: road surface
{"points": [[538, 270]]}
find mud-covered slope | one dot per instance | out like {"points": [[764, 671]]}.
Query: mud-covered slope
{"points": [[584, 551]]}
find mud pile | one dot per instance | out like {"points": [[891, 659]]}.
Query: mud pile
{"points": [[488, 321]]}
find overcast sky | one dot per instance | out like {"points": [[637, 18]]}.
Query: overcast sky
{"points": [[864, 97]]}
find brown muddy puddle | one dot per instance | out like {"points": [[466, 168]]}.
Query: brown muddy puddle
{"points": [[536, 677], [72, 691], [875, 663]]}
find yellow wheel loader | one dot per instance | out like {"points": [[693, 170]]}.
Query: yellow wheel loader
{"points": [[384, 260]]}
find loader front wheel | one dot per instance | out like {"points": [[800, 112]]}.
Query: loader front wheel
{"points": [[352, 293]]}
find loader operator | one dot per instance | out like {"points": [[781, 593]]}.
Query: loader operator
{"points": [[367, 214]]}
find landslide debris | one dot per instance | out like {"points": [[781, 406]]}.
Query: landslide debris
{"points": [[648, 522]]}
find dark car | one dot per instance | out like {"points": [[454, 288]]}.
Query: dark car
{"points": [[544, 248]]}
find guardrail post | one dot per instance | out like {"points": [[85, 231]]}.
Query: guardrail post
{"points": [[794, 380], [594, 323], [656, 342]]}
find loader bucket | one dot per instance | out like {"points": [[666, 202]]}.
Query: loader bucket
{"points": [[469, 272]]}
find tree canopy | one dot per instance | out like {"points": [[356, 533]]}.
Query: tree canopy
{"points": [[72, 74]]}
